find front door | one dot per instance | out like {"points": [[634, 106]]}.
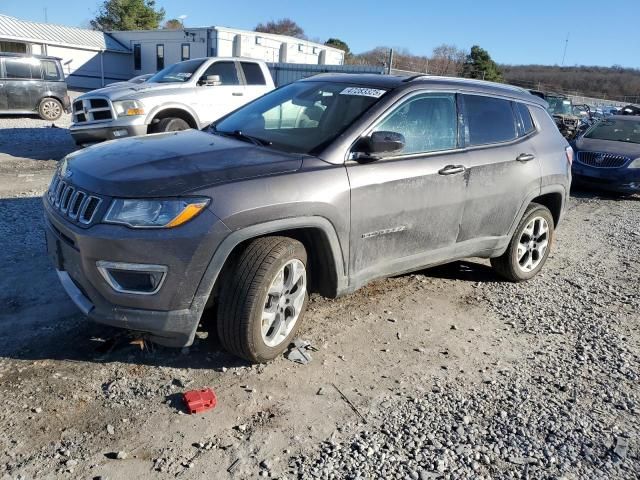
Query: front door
{"points": [[502, 166], [22, 83], [406, 209], [218, 100]]}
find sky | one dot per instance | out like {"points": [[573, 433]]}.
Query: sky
{"points": [[600, 32]]}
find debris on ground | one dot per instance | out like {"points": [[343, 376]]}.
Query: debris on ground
{"points": [[299, 352], [198, 401]]}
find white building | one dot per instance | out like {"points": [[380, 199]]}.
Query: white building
{"points": [[90, 59], [155, 49]]}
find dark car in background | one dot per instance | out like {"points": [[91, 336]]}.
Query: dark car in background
{"points": [[32, 84], [608, 155]]}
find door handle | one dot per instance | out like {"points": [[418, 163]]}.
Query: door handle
{"points": [[451, 169], [525, 157], [237, 94]]}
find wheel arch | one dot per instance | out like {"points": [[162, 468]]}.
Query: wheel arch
{"points": [[554, 201], [176, 111]]}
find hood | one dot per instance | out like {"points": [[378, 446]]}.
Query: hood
{"points": [[174, 163], [631, 150], [138, 91]]}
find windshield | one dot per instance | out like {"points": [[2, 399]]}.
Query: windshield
{"points": [[177, 73], [559, 106], [616, 130], [301, 117]]}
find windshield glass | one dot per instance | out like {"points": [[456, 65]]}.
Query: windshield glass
{"points": [[559, 106], [177, 73], [616, 130], [301, 117]]}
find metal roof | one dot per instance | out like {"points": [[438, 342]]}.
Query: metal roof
{"points": [[14, 29]]}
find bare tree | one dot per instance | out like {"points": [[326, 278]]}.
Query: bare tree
{"points": [[284, 26], [447, 60]]}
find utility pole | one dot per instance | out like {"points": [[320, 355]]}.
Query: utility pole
{"points": [[564, 54], [390, 61]]}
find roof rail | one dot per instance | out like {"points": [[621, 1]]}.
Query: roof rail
{"points": [[413, 77]]}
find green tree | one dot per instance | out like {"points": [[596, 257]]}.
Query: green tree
{"points": [[128, 15], [337, 43], [284, 26], [173, 24], [480, 65]]}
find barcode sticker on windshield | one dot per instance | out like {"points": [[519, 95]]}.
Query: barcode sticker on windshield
{"points": [[363, 92]]}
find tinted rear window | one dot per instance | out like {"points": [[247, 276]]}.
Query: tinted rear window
{"points": [[253, 73], [488, 120], [22, 68]]}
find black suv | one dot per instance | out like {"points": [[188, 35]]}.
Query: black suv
{"points": [[32, 84]]}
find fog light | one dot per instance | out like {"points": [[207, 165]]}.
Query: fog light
{"points": [[121, 132], [136, 278]]}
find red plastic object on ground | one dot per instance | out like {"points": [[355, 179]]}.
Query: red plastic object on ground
{"points": [[200, 400]]}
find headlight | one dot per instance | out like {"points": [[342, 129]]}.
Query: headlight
{"points": [[635, 163], [126, 108], [154, 213]]}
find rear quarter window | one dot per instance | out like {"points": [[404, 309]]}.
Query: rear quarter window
{"points": [[524, 119], [50, 70], [488, 120]]}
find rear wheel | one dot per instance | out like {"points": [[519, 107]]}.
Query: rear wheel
{"points": [[263, 299], [170, 124], [50, 109], [529, 247]]}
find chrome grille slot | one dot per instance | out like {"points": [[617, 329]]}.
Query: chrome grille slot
{"points": [[92, 110], [602, 160], [70, 202]]}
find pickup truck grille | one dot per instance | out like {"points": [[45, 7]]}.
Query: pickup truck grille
{"points": [[602, 160], [71, 202], [92, 110]]}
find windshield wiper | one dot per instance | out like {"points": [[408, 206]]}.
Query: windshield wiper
{"points": [[242, 136]]}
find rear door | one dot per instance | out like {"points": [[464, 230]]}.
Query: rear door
{"points": [[408, 206], [502, 167], [225, 97], [22, 83], [254, 79]]}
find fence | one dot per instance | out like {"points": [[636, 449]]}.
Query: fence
{"points": [[284, 73]]}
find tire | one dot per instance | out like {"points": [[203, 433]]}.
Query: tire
{"points": [[170, 124], [516, 266], [50, 109], [245, 301]]}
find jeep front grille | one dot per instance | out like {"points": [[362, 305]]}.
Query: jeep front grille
{"points": [[602, 160], [92, 110], [71, 202]]}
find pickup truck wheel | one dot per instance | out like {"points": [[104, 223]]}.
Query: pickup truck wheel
{"points": [[50, 109], [170, 124], [529, 247], [263, 299]]}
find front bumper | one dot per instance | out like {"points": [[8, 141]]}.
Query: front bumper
{"points": [[169, 317], [94, 133], [623, 180]]}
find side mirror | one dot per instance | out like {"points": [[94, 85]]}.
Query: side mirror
{"points": [[210, 80], [380, 143]]}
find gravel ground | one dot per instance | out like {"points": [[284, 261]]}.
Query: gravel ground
{"points": [[570, 410]]}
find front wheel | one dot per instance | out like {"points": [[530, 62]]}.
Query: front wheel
{"points": [[263, 298], [529, 247], [170, 124]]}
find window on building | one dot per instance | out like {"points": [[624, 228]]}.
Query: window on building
{"points": [[301, 48], [253, 73], [23, 68], [525, 123], [258, 40], [315, 50], [159, 57], [185, 51], [226, 71], [137, 57], [13, 47], [428, 122], [488, 120], [50, 70]]}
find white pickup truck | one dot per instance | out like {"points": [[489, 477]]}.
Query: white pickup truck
{"points": [[189, 94]]}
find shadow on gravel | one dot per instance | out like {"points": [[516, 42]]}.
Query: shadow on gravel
{"points": [[464, 270], [580, 191], [45, 143]]}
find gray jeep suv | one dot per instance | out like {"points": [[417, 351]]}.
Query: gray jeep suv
{"points": [[319, 186]]}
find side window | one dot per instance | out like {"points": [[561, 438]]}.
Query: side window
{"points": [[185, 51], [226, 71], [50, 70], [525, 122], [137, 57], [159, 57], [429, 123], [488, 120], [22, 68], [253, 73]]}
